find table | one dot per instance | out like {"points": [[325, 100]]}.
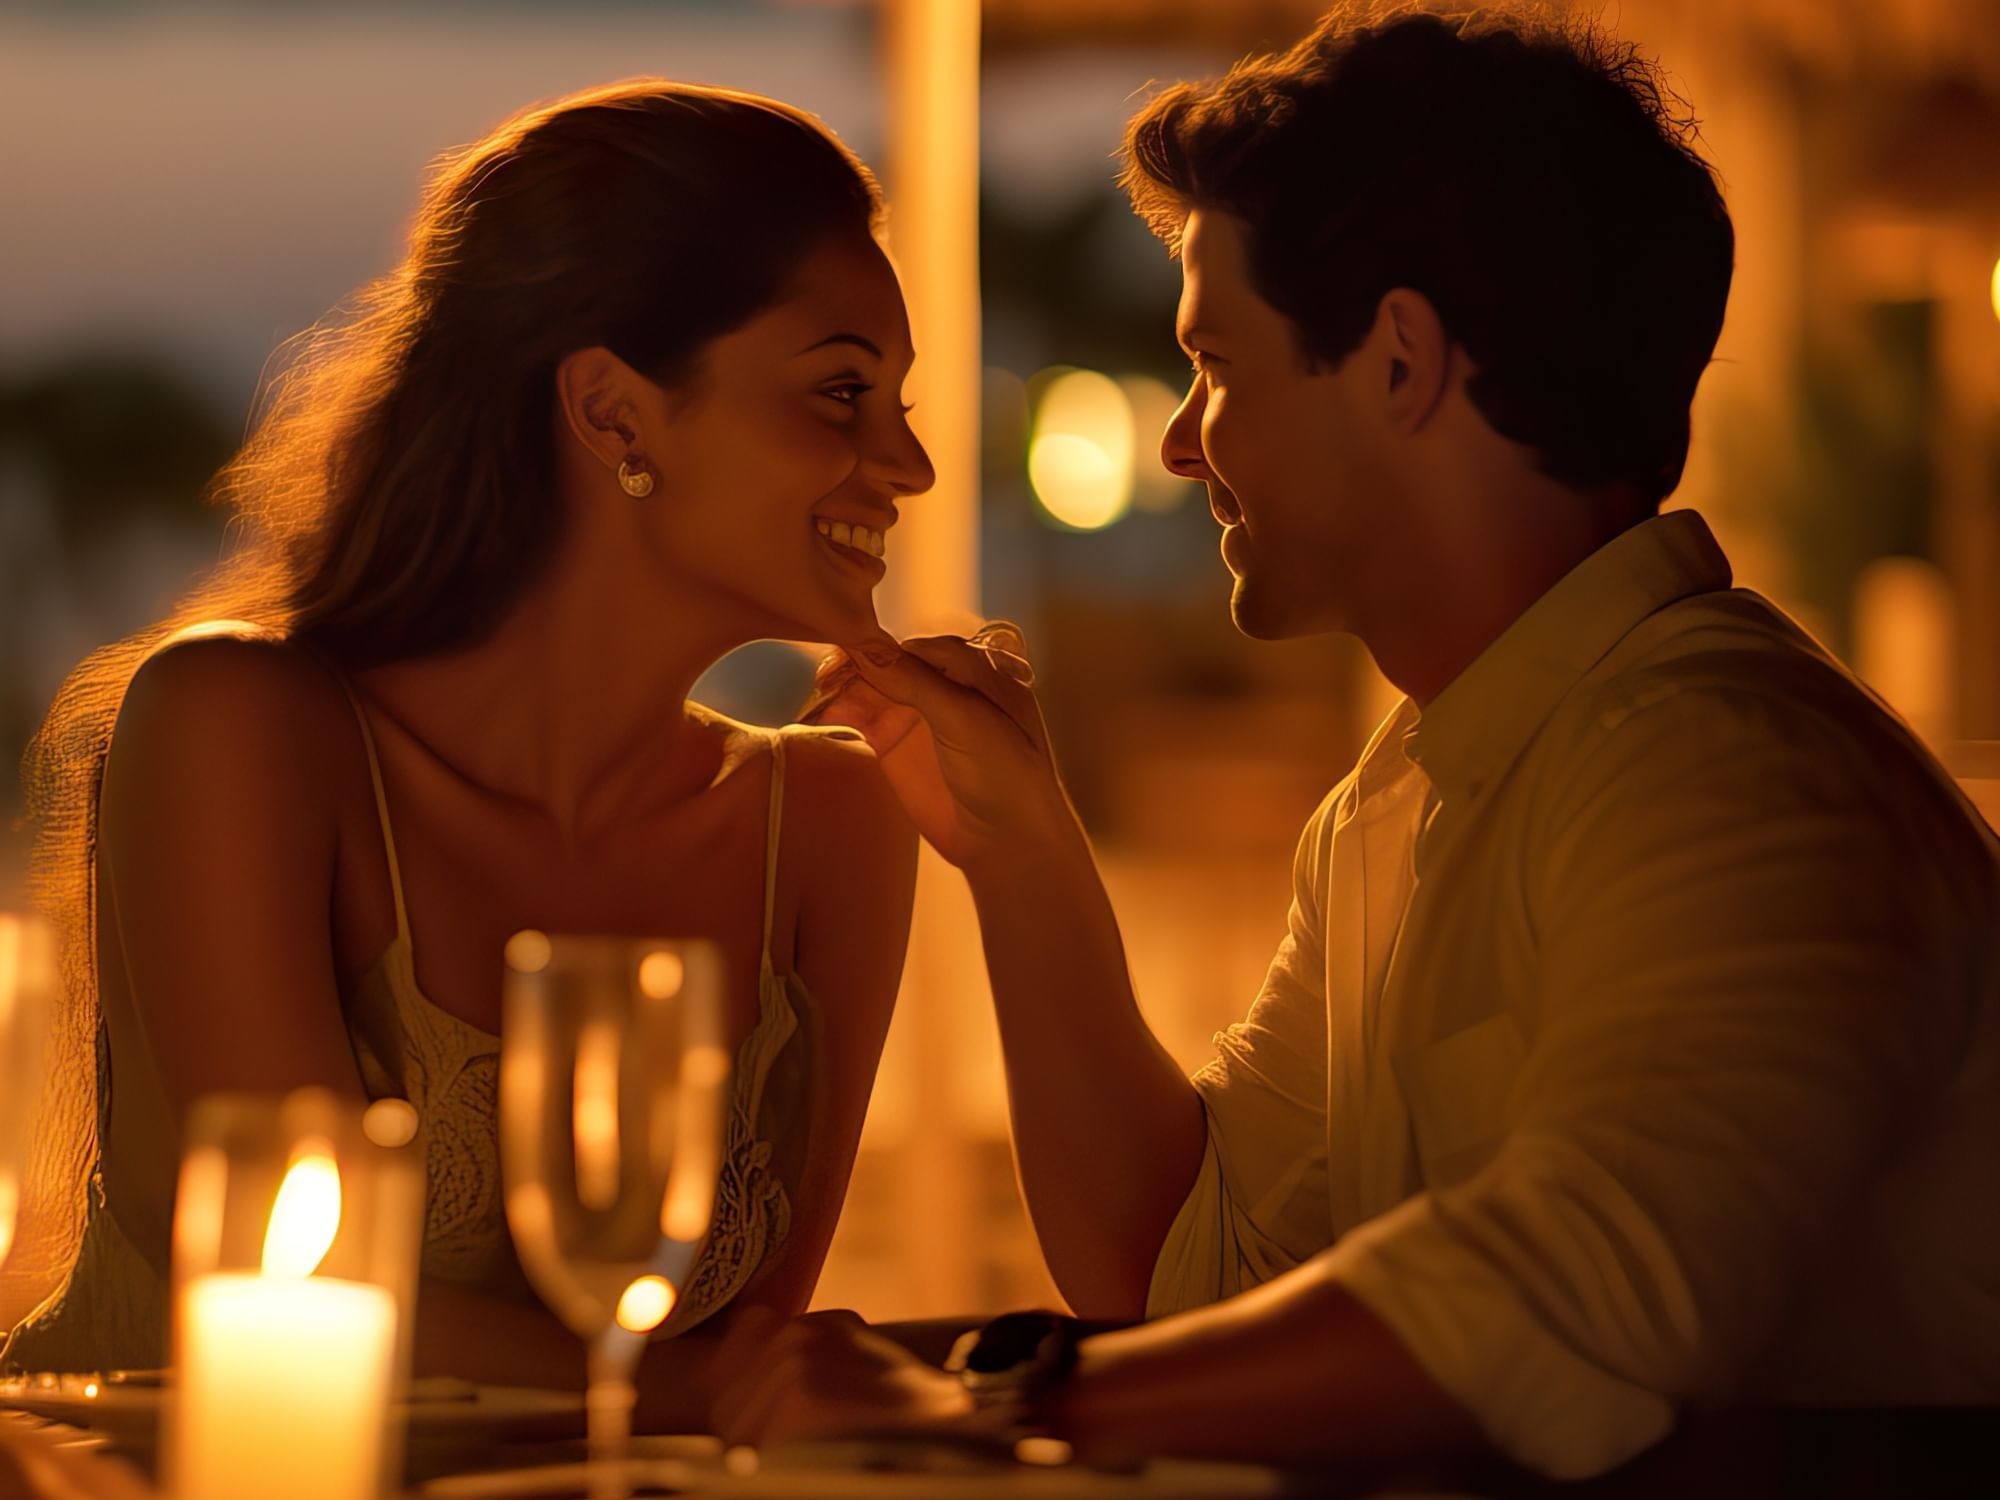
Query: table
{"points": [[1863, 1453]]}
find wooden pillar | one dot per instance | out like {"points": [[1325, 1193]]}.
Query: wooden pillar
{"points": [[944, 1012]]}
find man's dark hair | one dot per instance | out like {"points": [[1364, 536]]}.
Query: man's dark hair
{"points": [[1535, 179]]}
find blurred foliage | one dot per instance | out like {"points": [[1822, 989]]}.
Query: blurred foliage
{"points": [[110, 438], [93, 447], [1866, 399]]}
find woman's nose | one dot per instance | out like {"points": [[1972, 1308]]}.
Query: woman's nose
{"points": [[901, 462], [1180, 446]]}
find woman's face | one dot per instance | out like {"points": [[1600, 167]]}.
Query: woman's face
{"points": [[779, 466]]}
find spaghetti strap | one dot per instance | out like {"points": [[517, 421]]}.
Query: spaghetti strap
{"points": [[381, 798], [773, 825]]}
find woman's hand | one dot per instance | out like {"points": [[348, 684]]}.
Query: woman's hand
{"points": [[826, 1375], [958, 731]]}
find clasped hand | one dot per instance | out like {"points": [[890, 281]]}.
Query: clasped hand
{"points": [[828, 1375], [958, 731]]}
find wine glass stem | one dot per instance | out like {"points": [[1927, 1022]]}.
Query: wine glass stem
{"points": [[608, 1404]]}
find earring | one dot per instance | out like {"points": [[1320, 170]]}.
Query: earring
{"points": [[637, 482]]}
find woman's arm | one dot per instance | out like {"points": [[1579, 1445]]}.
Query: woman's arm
{"points": [[218, 839], [850, 854]]}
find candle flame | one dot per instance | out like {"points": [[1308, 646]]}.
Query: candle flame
{"points": [[645, 1304], [306, 1216]]}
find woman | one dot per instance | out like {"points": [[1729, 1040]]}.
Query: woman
{"points": [[631, 401]]}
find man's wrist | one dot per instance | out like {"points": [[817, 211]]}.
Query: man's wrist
{"points": [[1016, 1367], [1050, 848]]}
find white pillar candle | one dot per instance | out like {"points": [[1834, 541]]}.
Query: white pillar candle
{"points": [[283, 1388]]}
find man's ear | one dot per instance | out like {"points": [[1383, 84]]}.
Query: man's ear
{"points": [[596, 389], [1413, 351]]}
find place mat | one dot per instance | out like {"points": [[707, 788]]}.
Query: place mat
{"points": [[449, 1422]]}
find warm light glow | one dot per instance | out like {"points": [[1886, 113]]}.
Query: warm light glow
{"points": [[530, 1213], [390, 1122], [594, 1114], [12, 936], [306, 1216], [528, 951], [645, 1304], [27, 988], [1043, 1452], [704, 1067], [198, 1204], [1996, 288], [1080, 457], [90, 1390], [661, 975], [690, 1197]]}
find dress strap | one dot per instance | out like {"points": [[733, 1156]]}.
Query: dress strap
{"points": [[773, 825], [381, 798]]}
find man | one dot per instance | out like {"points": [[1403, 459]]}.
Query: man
{"points": [[1633, 1041]]}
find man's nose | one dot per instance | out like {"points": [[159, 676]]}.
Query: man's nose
{"points": [[1180, 447]]}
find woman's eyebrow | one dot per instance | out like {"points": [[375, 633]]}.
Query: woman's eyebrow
{"points": [[844, 338]]}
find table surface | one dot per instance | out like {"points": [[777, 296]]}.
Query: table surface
{"points": [[1836, 1453]]}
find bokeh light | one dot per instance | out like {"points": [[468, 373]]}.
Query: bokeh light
{"points": [[1996, 289], [1080, 455], [1153, 403], [645, 1304]]}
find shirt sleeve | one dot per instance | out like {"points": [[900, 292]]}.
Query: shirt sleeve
{"points": [[1259, 1205], [1756, 966]]}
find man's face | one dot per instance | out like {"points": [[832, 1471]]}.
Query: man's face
{"points": [[1291, 454]]}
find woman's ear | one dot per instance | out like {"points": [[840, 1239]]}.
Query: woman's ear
{"points": [[1414, 352], [595, 389]]}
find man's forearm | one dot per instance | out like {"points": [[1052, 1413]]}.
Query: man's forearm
{"points": [[1108, 1132], [1296, 1371]]}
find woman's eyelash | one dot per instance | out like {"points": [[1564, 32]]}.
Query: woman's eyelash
{"points": [[853, 391]]}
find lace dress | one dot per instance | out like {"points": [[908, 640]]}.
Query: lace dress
{"points": [[115, 1314]]}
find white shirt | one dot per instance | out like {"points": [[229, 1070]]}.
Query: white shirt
{"points": [[1636, 1036]]}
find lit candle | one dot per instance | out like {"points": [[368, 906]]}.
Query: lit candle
{"points": [[284, 1375], [283, 1385]]}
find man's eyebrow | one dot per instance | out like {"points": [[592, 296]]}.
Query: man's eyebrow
{"points": [[844, 338]]}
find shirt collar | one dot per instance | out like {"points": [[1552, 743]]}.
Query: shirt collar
{"points": [[1487, 714]]}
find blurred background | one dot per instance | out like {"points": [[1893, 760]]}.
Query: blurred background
{"points": [[184, 186]]}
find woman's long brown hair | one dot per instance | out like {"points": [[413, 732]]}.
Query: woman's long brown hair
{"points": [[397, 494]]}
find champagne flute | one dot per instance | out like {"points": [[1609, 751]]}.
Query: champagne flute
{"points": [[27, 997], [613, 1082]]}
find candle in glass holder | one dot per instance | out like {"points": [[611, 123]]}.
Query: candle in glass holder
{"points": [[284, 1381], [285, 1365]]}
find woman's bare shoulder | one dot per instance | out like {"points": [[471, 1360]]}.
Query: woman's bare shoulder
{"points": [[213, 707], [837, 795]]}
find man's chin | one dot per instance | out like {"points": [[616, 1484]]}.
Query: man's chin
{"points": [[1253, 613]]}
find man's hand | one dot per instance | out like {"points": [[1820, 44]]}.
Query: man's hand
{"points": [[955, 724], [826, 1375]]}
